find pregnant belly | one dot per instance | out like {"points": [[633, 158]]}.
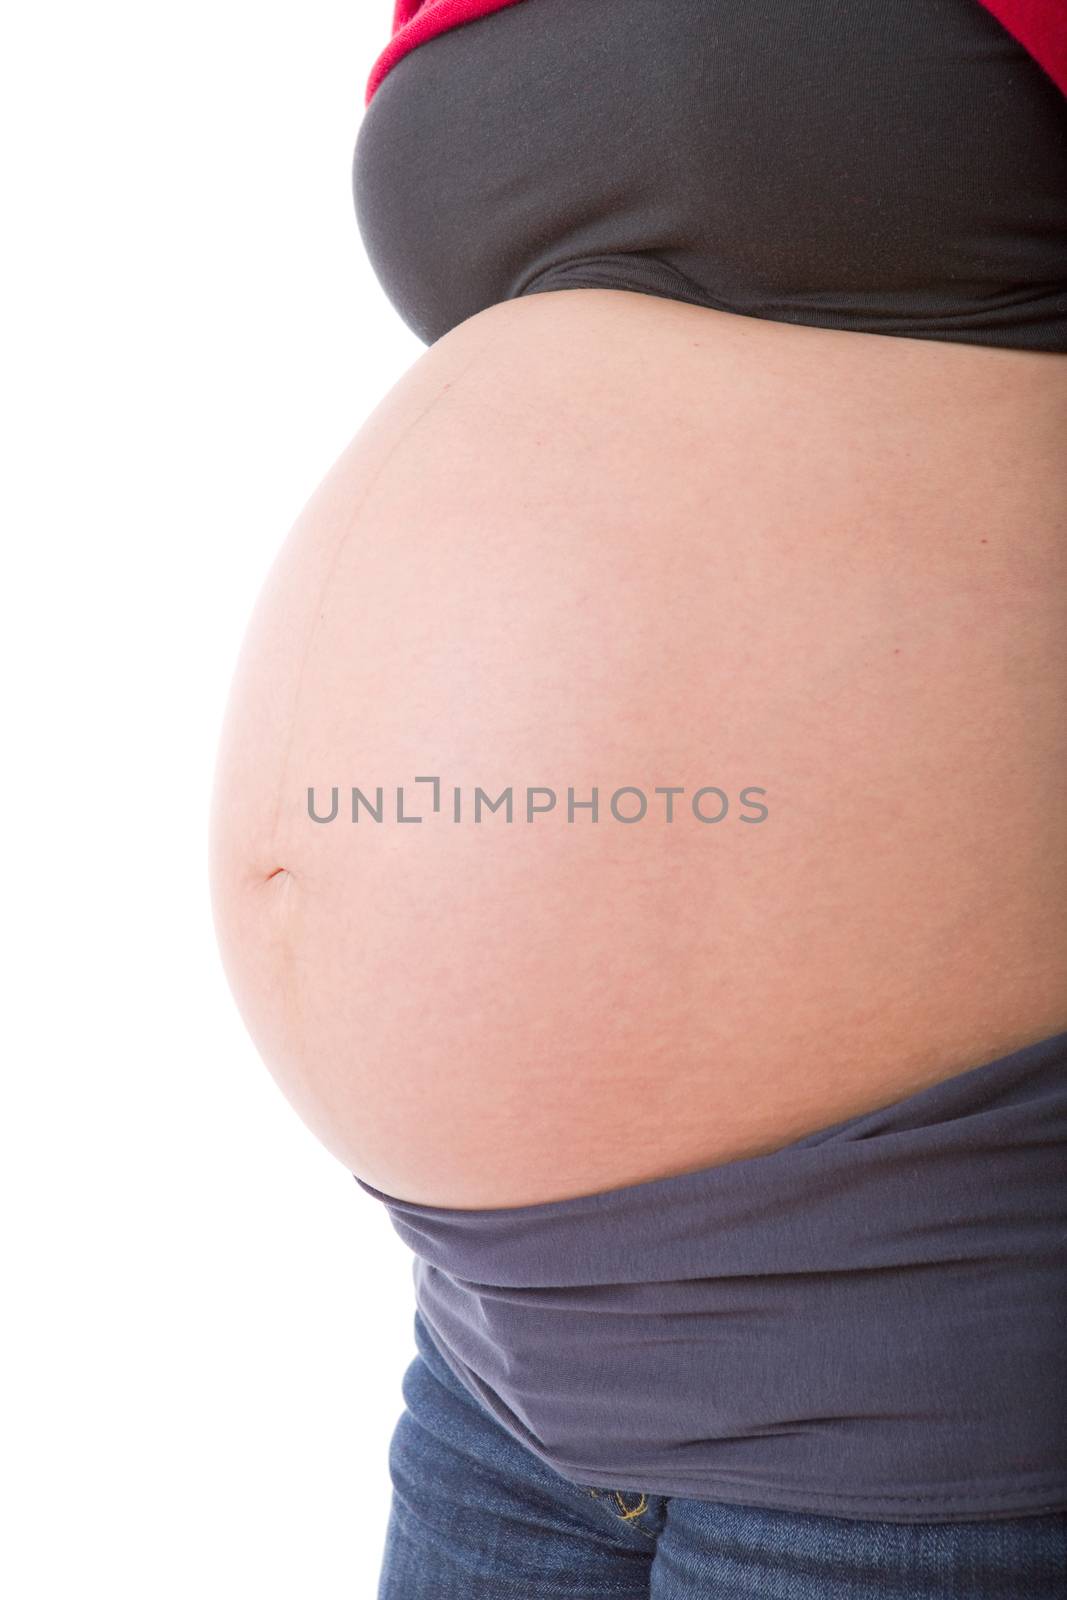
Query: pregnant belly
{"points": [[650, 746]]}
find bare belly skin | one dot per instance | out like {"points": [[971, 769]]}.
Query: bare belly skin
{"points": [[596, 539]]}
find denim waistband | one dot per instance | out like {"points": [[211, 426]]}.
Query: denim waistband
{"points": [[868, 1323]]}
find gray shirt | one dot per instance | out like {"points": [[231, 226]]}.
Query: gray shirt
{"points": [[867, 1323]]}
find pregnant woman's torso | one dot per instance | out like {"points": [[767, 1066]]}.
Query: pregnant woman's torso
{"points": [[600, 540]]}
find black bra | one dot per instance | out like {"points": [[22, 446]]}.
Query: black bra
{"points": [[889, 166]]}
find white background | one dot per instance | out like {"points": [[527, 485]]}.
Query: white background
{"points": [[206, 1319]]}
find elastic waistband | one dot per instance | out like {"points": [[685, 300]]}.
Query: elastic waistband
{"points": [[867, 1322]]}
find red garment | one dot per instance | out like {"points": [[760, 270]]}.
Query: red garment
{"points": [[415, 21], [1039, 25]]}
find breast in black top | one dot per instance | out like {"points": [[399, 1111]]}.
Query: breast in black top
{"points": [[890, 166]]}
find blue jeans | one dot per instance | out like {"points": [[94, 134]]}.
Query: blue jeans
{"points": [[477, 1516]]}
